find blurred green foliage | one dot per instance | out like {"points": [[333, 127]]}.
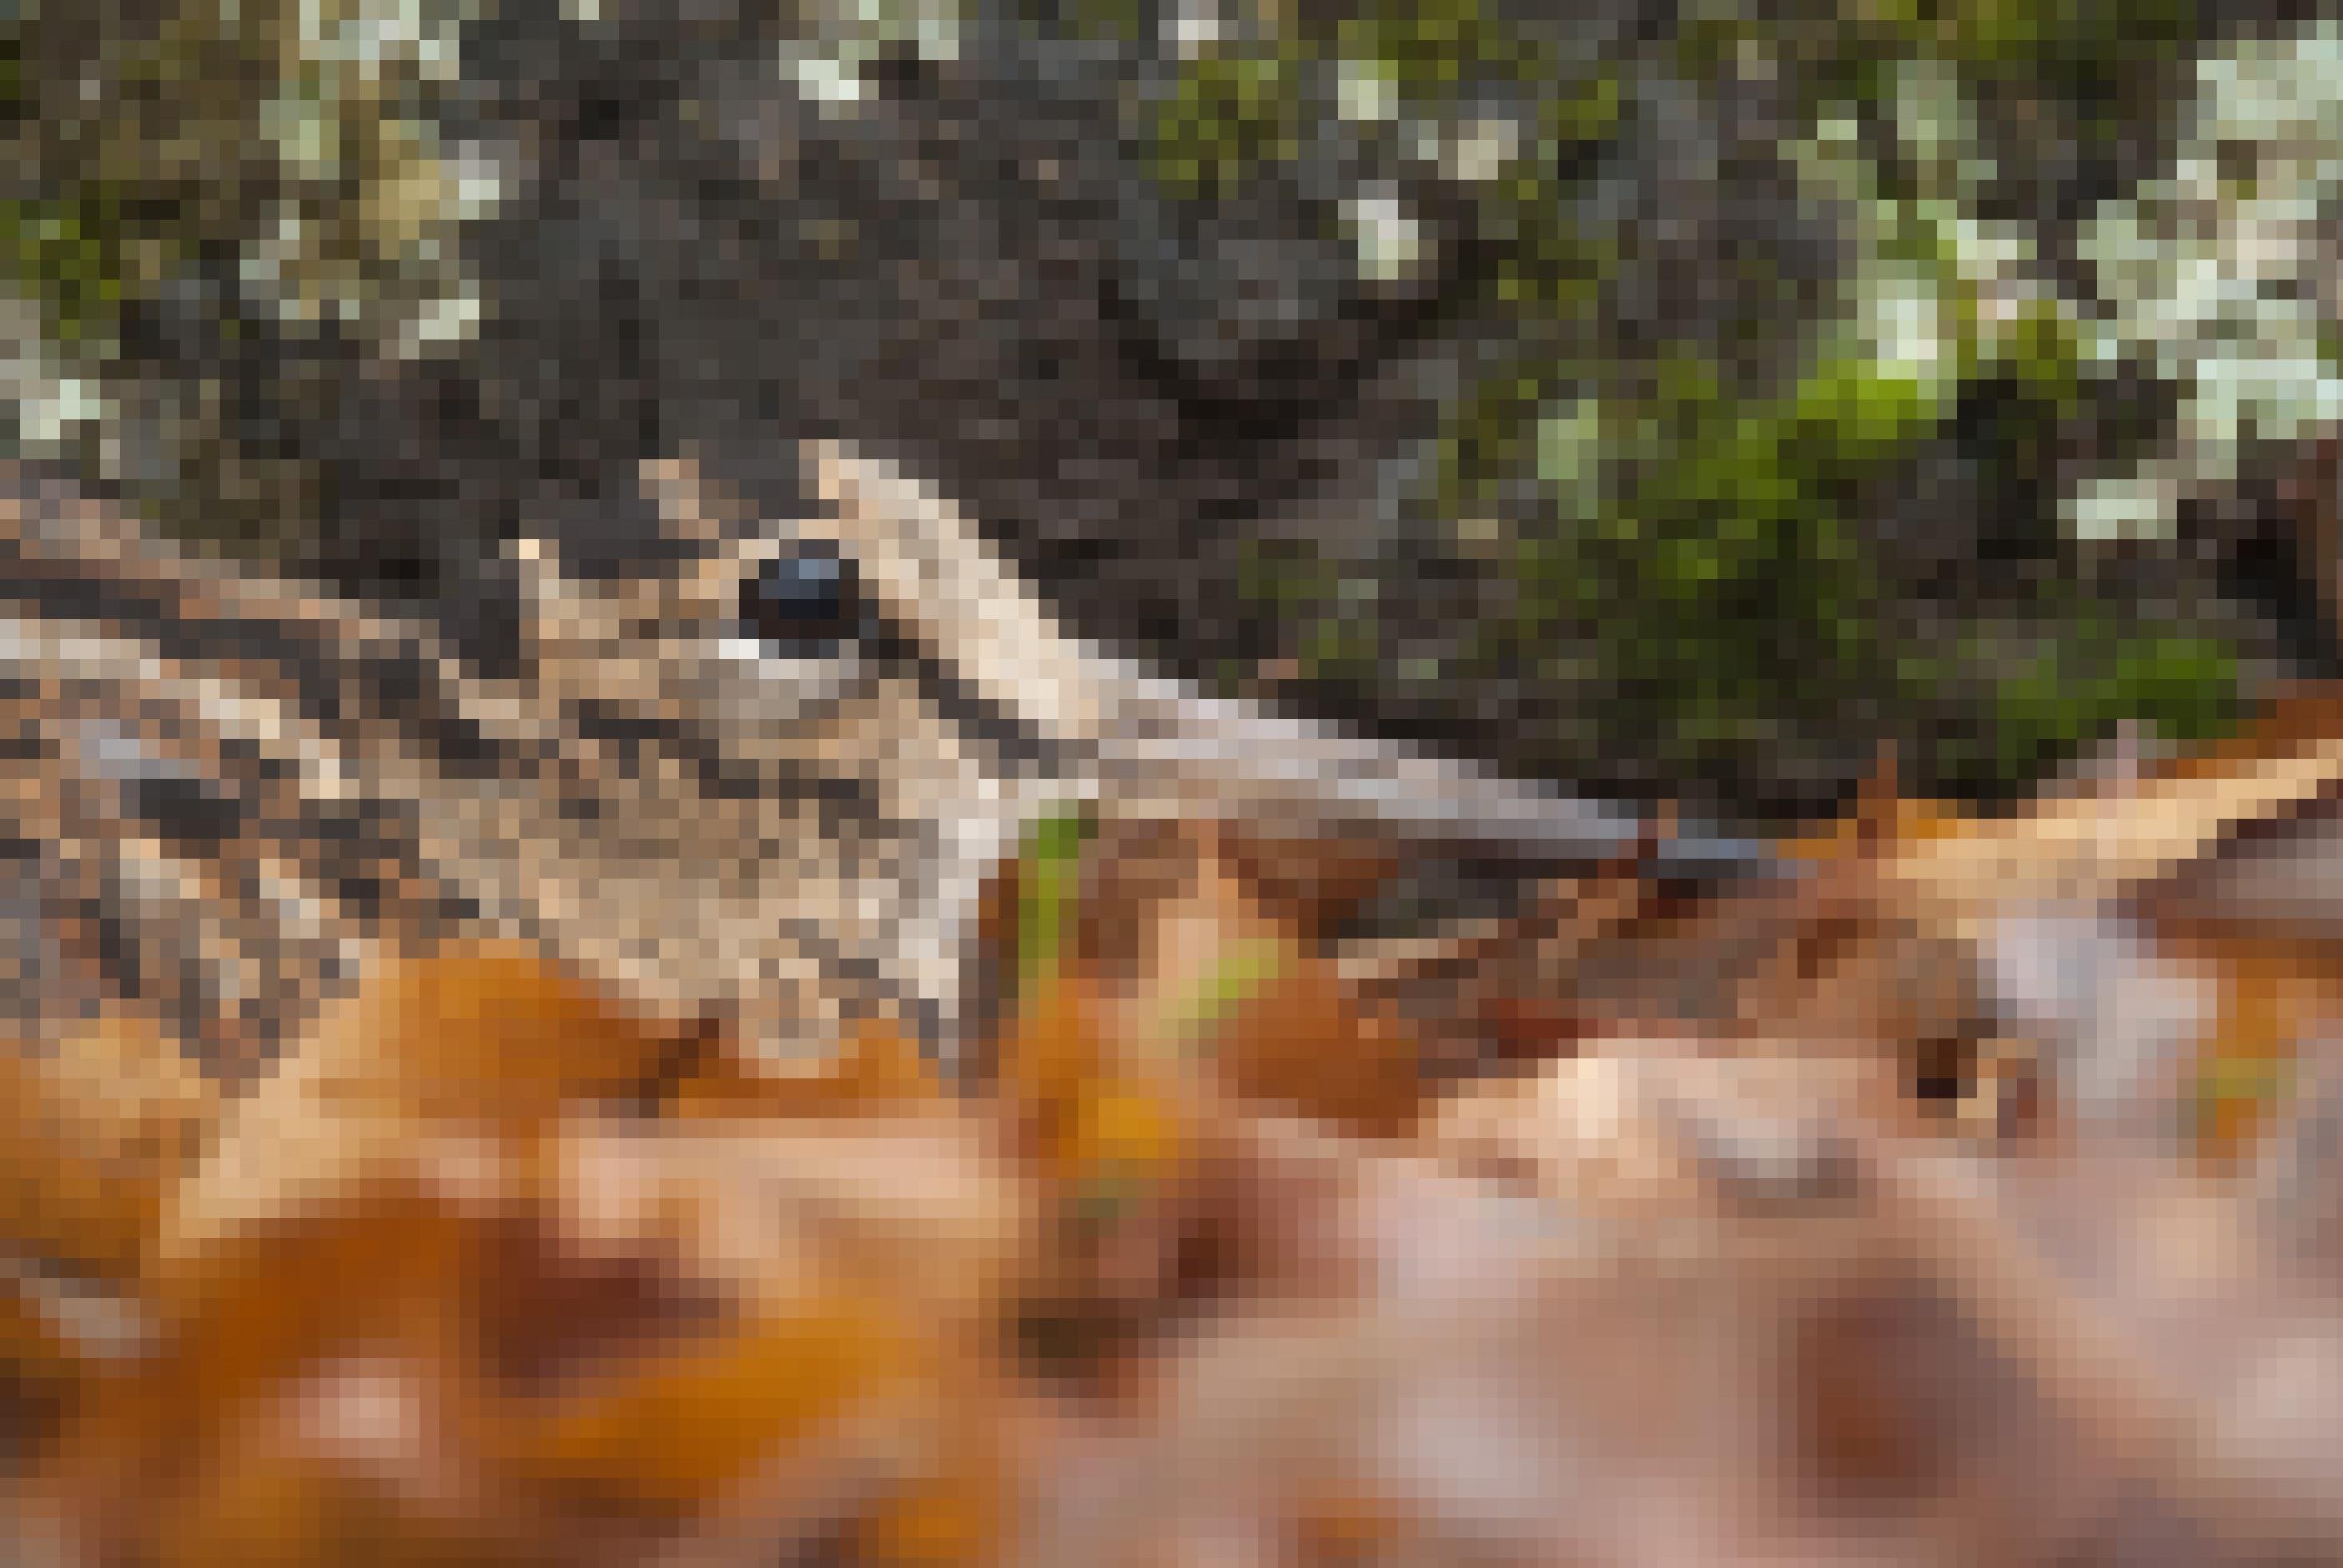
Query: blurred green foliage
{"points": [[2077, 55], [1230, 111], [2097, 673], [1433, 47], [71, 255]]}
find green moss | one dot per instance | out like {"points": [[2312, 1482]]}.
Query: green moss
{"points": [[1710, 560], [1343, 645], [1851, 409], [1719, 557], [1123, 21], [1705, 554], [2094, 674], [1434, 47], [1587, 115], [1230, 112], [2044, 352], [1283, 578], [1706, 47], [2185, 684], [1493, 434], [71, 255], [2053, 36]]}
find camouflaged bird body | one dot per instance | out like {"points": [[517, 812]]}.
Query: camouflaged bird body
{"points": [[226, 792], [229, 790]]}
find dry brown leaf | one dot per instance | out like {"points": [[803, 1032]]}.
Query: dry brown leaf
{"points": [[94, 1129], [31, 1344], [1664, 1129], [2096, 931], [1904, 821], [918, 1211], [1112, 1137], [1303, 1045], [1048, 1061], [882, 1071], [656, 1316], [643, 1313], [151, 1438], [1307, 884], [953, 1517], [1214, 988], [1588, 1129], [491, 1034], [357, 1463], [681, 1428], [487, 1041], [1528, 1382], [2101, 843], [2274, 999]]}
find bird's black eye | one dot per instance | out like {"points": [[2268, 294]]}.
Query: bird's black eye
{"points": [[801, 603]]}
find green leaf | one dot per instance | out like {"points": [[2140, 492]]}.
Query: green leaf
{"points": [[1243, 969], [1048, 869]]}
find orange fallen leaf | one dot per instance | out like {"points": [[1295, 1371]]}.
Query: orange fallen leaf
{"points": [[1303, 1045], [1221, 994], [880, 1072], [2275, 997], [493, 1034], [679, 1429], [490, 1040], [944, 1521], [917, 1210], [94, 1129], [39, 1359]]}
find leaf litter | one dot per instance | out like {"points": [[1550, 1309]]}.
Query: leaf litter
{"points": [[1971, 1198]]}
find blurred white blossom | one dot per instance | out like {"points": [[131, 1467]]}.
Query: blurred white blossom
{"points": [[844, 38], [1367, 91], [2220, 277], [1389, 239]]}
